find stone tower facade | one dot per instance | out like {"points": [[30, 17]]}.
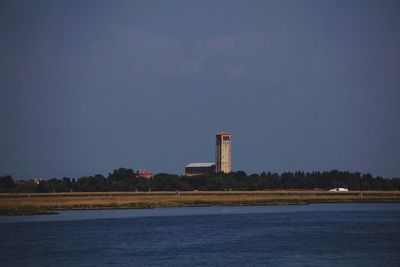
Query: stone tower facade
{"points": [[223, 152]]}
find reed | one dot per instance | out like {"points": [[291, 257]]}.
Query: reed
{"points": [[34, 203]]}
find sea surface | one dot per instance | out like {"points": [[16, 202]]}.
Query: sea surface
{"points": [[298, 235]]}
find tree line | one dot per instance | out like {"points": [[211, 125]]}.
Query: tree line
{"points": [[123, 179]]}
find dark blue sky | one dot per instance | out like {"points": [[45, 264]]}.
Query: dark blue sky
{"points": [[90, 86]]}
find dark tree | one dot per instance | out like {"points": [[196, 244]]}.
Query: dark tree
{"points": [[6, 183]]}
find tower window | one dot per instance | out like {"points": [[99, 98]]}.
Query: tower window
{"points": [[226, 138]]}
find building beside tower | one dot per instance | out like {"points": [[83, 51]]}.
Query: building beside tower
{"points": [[223, 152], [193, 169], [223, 158]]}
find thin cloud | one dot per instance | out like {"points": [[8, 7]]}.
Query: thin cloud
{"points": [[132, 51]]}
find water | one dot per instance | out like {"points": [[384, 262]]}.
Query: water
{"points": [[311, 235]]}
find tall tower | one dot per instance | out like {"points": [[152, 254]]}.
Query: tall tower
{"points": [[223, 152]]}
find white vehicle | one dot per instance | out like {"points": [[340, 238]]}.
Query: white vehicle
{"points": [[339, 189]]}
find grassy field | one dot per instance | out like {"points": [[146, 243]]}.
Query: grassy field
{"points": [[43, 203]]}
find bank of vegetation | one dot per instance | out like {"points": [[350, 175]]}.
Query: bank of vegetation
{"points": [[43, 203], [123, 179]]}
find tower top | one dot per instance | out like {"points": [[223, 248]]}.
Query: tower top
{"points": [[224, 133]]}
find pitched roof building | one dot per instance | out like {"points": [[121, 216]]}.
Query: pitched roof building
{"points": [[193, 169]]}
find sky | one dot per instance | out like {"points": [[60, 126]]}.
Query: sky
{"points": [[90, 86]]}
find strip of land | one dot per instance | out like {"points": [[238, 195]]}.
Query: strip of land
{"points": [[44, 203]]}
